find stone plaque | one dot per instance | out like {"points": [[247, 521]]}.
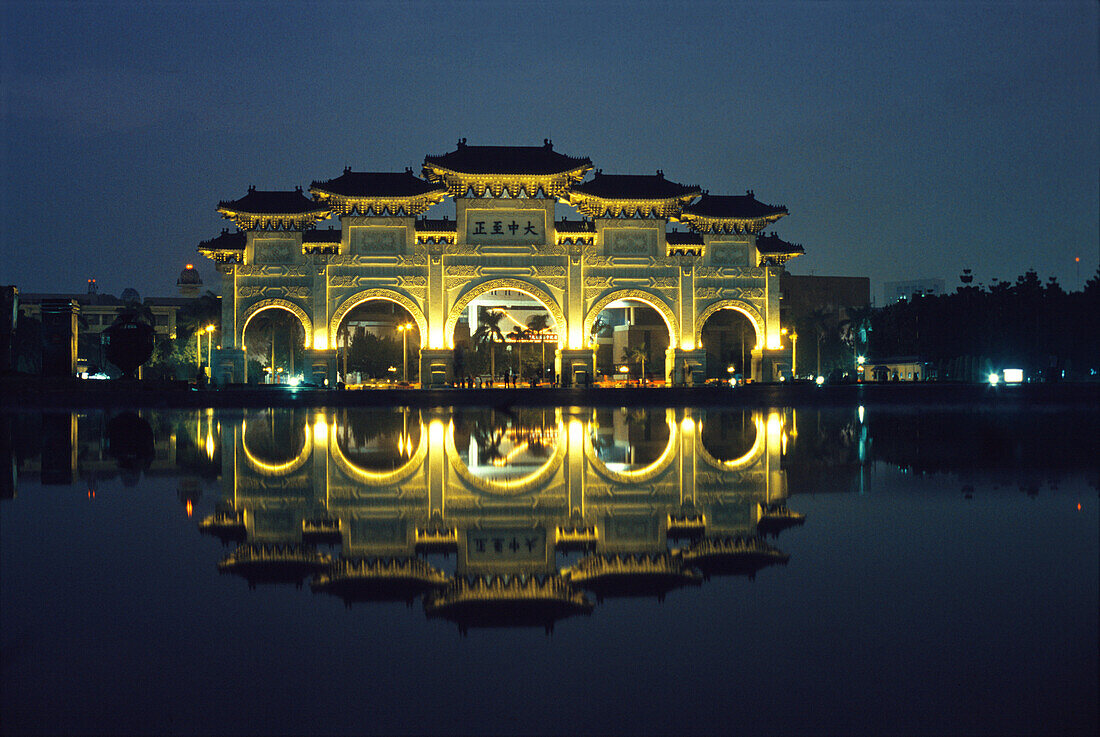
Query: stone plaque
{"points": [[501, 227], [631, 241], [730, 253], [511, 545], [274, 250], [373, 240]]}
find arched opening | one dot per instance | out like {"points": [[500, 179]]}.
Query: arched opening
{"points": [[276, 442], [274, 340], [505, 335], [506, 453], [377, 340], [631, 333], [731, 438], [377, 443], [631, 444], [729, 338]]}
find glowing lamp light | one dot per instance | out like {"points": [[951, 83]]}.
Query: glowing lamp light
{"points": [[819, 380], [1013, 375], [687, 345], [993, 379], [861, 360]]}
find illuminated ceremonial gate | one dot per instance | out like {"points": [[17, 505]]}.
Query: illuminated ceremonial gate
{"points": [[504, 240]]}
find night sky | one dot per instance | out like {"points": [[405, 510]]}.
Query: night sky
{"points": [[908, 140]]}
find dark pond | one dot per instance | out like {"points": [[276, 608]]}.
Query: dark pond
{"points": [[839, 570]]}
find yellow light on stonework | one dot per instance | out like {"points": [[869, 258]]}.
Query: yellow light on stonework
{"points": [[320, 430], [775, 429], [687, 426], [687, 345], [320, 339]]}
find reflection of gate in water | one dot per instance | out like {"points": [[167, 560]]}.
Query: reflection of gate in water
{"points": [[639, 494]]}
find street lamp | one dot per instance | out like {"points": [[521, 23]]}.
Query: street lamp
{"points": [[209, 330], [404, 329]]}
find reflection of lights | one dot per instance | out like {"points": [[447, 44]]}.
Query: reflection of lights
{"points": [[190, 508], [507, 458], [209, 445], [1078, 506], [861, 414], [687, 425]]}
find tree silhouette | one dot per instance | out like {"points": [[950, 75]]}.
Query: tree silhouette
{"points": [[488, 331], [538, 324], [635, 354]]}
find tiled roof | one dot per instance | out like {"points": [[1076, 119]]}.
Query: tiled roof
{"points": [[383, 184], [770, 243], [436, 225], [575, 226], [273, 202], [741, 207], [532, 160], [328, 235], [225, 242], [683, 238], [634, 187]]}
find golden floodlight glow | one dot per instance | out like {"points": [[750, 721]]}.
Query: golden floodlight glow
{"points": [[687, 345]]}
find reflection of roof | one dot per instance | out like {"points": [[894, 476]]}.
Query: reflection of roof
{"points": [[532, 160], [378, 579], [776, 518], [732, 555], [737, 207], [522, 600], [376, 184], [227, 525], [274, 563], [632, 574], [634, 187]]}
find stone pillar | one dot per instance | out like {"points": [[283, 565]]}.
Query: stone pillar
{"points": [[320, 339], [686, 338], [575, 366], [436, 308], [437, 366], [229, 307], [227, 366], [59, 337], [321, 367], [574, 302], [685, 368]]}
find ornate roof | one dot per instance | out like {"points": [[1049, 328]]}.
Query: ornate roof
{"points": [[533, 160], [632, 574], [227, 247], [436, 225], [506, 171], [731, 214], [378, 579], [775, 249], [374, 192], [732, 555], [683, 238], [631, 195], [520, 600], [319, 235], [274, 563], [575, 226], [635, 187], [286, 209]]}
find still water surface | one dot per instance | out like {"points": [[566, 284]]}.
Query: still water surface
{"points": [[550, 570]]}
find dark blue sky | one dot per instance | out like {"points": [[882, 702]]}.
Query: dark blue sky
{"points": [[908, 139]]}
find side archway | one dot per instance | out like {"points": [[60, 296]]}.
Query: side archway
{"points": [[275, 304], [518, 285], [367, 295], [744, 308], [650, 298]]}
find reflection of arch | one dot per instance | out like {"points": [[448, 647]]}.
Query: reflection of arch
{"points": [[744, 308], [277, 469], [281, 304], [378, 478], [367, 295], [650, 298], [511, 487], [737, 464], [640, 475], [518, 285]]}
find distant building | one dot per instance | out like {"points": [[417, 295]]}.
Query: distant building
{"points": [[903, 368], [98, 311], [899, 291], [803, 299]]}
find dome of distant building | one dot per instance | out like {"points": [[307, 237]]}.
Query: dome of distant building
{"points": [[129, 294], [189, 275]]}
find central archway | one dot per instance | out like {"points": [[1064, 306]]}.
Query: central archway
{"points": [[275, 304], [367, 295], [537, 293]]}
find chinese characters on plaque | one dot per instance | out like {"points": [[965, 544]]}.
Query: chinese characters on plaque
{"points": [[505, 226]]}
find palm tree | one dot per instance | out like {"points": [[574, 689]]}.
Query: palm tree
{"points": [[600, 329], [342, 337], [518, 335], [488, 331], [635, 355], [537, 324], [820, 323]]}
